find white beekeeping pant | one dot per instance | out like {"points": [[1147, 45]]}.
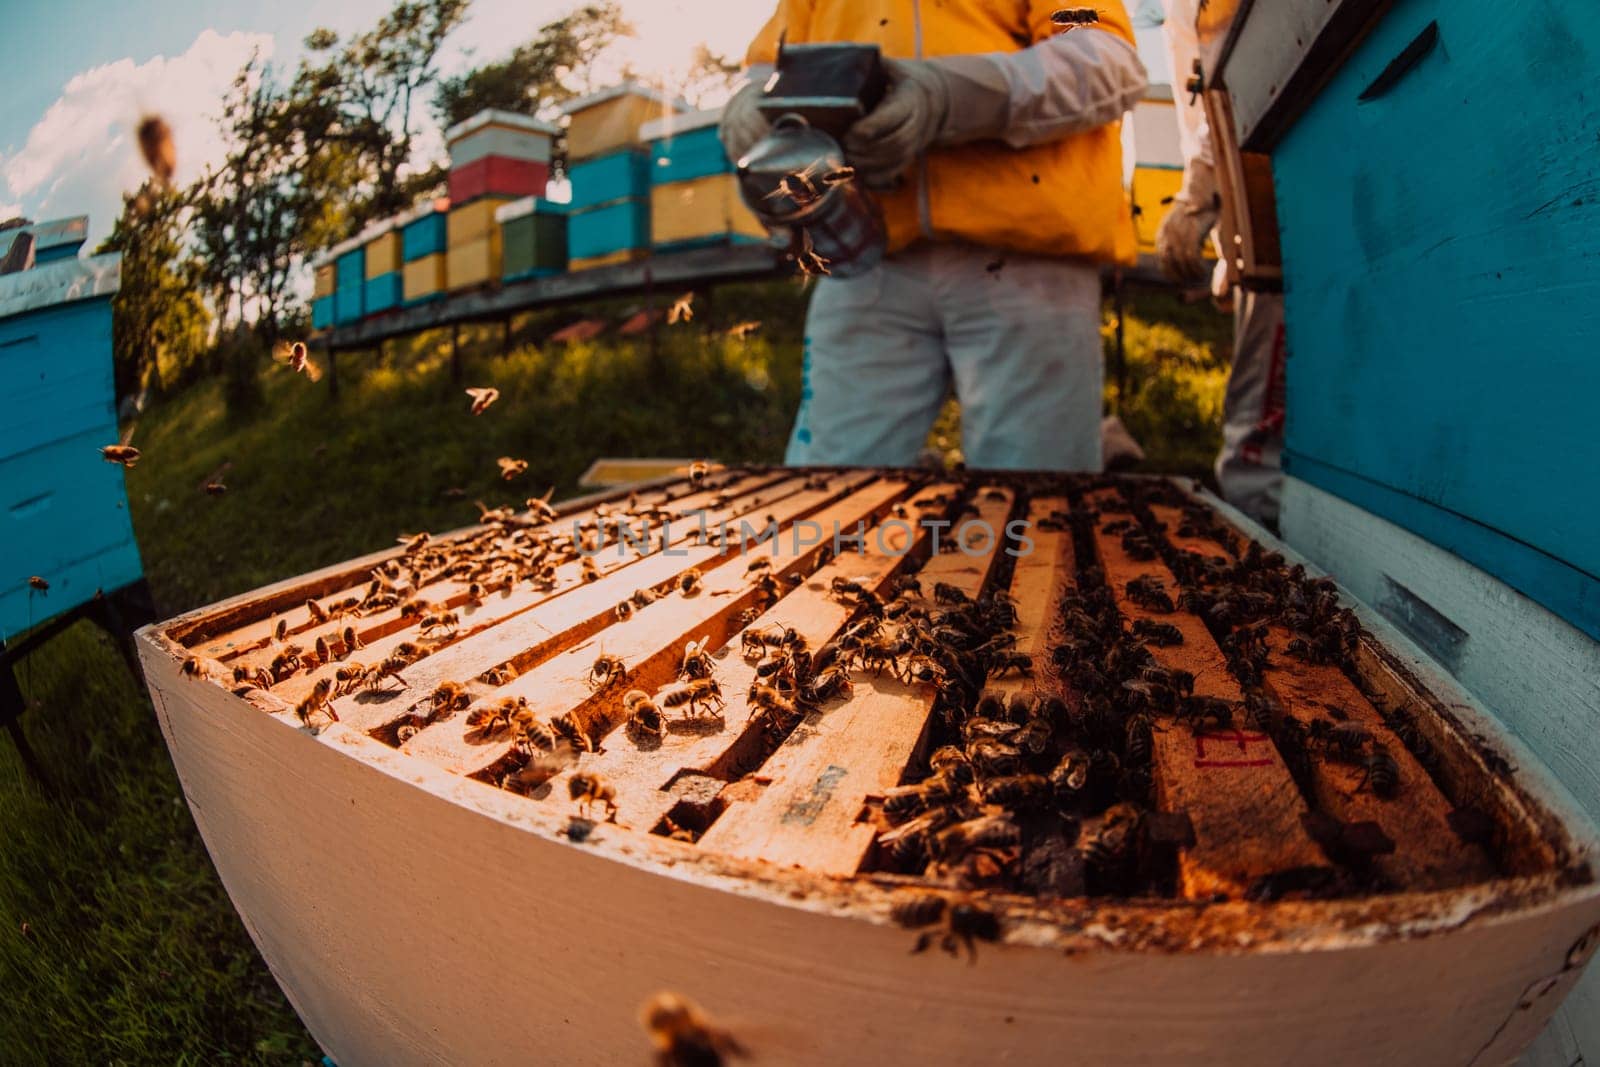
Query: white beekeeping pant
{"points": [[1018, 335], [1250, 466]]}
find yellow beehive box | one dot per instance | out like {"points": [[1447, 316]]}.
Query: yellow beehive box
{"points": [[698, 209], [605, 121], [474, 263], [322, 281], [610, 259], [474, 221], [383, 253], [1153, 190], [422, 278]]}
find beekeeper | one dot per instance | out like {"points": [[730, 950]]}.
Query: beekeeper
{"points": [[997, 159], [1250, 464]]}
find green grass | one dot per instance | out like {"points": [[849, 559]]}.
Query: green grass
{"points": [[117, 942]]}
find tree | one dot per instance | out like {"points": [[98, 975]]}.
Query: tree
{"points": [[365, 91], [710, 77], [539, 74], [158, 314]]}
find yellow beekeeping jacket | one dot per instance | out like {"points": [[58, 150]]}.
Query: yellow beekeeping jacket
{"points": [[1062, 198]]}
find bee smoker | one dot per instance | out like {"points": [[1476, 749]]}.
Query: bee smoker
{"points": [[796, 179]]}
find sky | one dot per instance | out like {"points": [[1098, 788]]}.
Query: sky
{"points": [[89, 69]]}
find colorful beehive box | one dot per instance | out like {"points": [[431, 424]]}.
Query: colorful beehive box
{"points": [[499, 153], [620, 175], [533, 238], [474, 221], [1152, 191], [611, 259], [350, 273], [382, 293], [382, 250], [474, 263], [685, 147], [63, 510], [53, 241], [322, 312], [621, 226], [1158, 164], [322, 280], [605, 121], [701, 212], [423, 230], [423, 279], [506, 134]]}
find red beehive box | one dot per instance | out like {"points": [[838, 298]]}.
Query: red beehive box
{"points": [[500, 176]]}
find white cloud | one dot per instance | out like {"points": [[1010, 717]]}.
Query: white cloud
{"points": [[81, 156]]}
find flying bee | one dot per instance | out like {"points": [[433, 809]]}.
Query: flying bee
{"points": [[158, 148], [38, 584], [607, 671], [644, 715], [126, 455], [481, 399], [916, 908], [511, 469], [294, 356], [743, 331], [587, 789], [683, 1036], [689, 582], [682, 310], [214, 489], [701, 696]]}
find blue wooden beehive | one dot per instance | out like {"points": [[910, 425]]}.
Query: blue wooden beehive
{"points": [[619, 175], [63, 509], [1443, 291], [349, 297]]}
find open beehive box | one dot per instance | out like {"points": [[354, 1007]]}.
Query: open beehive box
{"points": [[1138, 787]]}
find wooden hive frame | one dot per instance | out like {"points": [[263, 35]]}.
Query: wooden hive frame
{"points": [[750, 833]]}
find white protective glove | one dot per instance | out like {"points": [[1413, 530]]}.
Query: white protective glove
{"points": [[742, 122], [1183, 232]]}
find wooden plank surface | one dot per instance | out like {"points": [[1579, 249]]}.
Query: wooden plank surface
{"points": [[644, 774], [251, 644], [1427, 854], [819, 779], [383, 632], [1246, 810], [651, 643], [530, 637]]}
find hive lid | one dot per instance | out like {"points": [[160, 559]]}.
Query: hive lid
{"points": [[583, 103], [497, 117], [61, 282], [670, 125]]}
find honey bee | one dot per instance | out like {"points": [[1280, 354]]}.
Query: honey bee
{"points": [[286, 662], [439, 620], [542, 511], [744, 331], [482, 398], [389, 668], [568, 729], [527, 731], [1343, 740], [689, 582], [193, 668], [591, 570], [644, 715], [215, 489], [498, 676], [491, 722], [511, 469], [280, 630], [701, 696], [945, 593], [352, 640], [414, 542], [1020, 662], [606, 672], [317, 700], [1072, 17], [350, 675], [1162, 634], [763, 563], [294, 356], [317, 614], [158, 148], [697, 662], [323, 651], [38, 584], [682, 310], [828, 685], [588, 789], [697, 472], [623, 611], [405, 732], [449, 698], [1380, 772], [966, 924], [1148, 592], [683, 1036]]}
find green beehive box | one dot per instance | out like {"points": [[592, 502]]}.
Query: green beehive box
{"points": [[533, 236]]}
